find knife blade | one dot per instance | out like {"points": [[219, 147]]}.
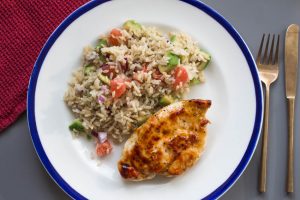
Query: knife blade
{"points": [[291, 71], [291, 60]]}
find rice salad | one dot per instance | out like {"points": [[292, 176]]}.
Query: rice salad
{"points": [[130, 74]]}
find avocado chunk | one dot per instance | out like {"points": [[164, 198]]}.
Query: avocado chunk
{"points": [[76, 125], [173, 38], [141, 120], [166, 100], [133, 26], [194, 81], [184, 58], [88, 69], [203, 64], [104, 79], [102, 43], [162, 68], [172, 63], [173, 60]]}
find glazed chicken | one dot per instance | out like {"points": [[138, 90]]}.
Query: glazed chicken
{"points": [[168, 143]]}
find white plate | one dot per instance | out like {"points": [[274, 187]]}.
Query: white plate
{"points": [[232, 84]]}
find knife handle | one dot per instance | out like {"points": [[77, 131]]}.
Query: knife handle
{"points": [[264, 153], [290, 175]]}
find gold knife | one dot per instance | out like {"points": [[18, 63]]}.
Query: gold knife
{"points": [[291, 71]]}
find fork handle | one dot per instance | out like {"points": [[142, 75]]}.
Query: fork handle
{"points": [[290, 173], [263, 167]]}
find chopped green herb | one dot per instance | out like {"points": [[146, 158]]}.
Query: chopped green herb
{"points": [[76, 125]]}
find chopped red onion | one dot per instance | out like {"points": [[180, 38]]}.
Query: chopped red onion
{"points": [[102, 136], [104, 88], [95, 134], [101, 99]]}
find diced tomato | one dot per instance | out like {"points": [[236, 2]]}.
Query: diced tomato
{"points": [[118, 86], [103, 149], [113, 37], [109, 70], [116, 32], [181, 76]]}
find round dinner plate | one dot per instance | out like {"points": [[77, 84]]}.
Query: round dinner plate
{"points": [[232, 83]]}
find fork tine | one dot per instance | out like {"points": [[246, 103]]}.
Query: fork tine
{"points": [[266, 50], [271, 51], [258, 58], [277, 50]]}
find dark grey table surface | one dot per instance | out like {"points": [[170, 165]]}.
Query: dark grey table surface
{"points": [[23, 177]]}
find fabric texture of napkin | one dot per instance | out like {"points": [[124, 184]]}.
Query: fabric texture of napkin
{"points": [[25, 27]]}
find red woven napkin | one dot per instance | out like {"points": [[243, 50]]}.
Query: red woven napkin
{"points": [[24, 28]]}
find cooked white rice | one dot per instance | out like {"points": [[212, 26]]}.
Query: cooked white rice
{"points": [[144, 89]]}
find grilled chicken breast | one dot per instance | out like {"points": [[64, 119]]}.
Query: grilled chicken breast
{"points": [[168, 143]]}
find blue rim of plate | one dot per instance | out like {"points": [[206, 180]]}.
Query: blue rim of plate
{"points": [[90, 5]]}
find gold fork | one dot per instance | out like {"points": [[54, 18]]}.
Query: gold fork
{"points": [[268, 72]]}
